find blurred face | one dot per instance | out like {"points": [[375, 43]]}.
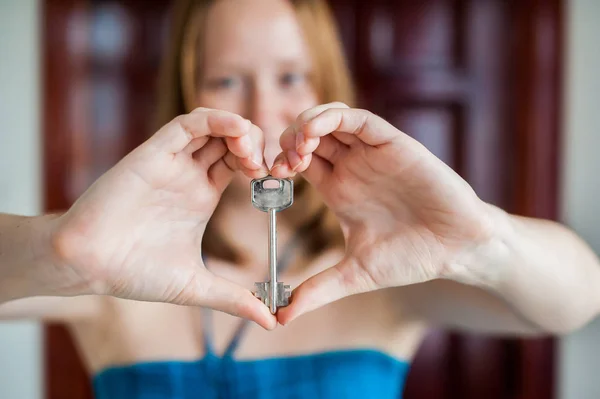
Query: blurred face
{"points": [[256, 64]]}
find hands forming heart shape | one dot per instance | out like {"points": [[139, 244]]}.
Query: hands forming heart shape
{"points": [[136, 233]]}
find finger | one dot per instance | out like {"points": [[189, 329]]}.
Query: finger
{"points": [[345, 138], [303, 144], [294, 163], [299, 142], [323, 288], [288, 142], [177, 134], [306, 145], [222, 165], [293, 140], [297, 159], [220, 175], [331, 149], [235, 164], [281, 168], [255, 160], [318, 171], [298, 163], [214, 150], [314, 111], [220, 294], [258, 139], [362, 124], [195, 145]]}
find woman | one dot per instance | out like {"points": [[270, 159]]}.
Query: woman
{"points": [[408, 223]]}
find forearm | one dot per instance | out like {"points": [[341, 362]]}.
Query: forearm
{"points": [[543, 270], [26, 256]]}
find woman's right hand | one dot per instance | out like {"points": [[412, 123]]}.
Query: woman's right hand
{"points": [[136, 232]]}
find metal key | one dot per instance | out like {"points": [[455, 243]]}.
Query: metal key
{"points": [[272, 200]]}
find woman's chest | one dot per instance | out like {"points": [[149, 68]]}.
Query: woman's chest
{"points": [[140, 332]]}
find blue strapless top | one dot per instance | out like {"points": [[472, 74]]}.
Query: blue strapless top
{"points": [[349, 374]]}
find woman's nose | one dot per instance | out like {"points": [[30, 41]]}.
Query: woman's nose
{"points": [[268, 113], [264, 107]]}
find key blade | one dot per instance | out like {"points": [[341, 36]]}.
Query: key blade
{"points": [[283, 295], [261, 291]]}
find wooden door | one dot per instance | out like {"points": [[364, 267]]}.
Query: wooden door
{"points": [[477, 81], [101, 62]]}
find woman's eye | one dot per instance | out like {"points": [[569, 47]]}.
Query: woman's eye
{"points": [[291, 79], [221, 83]]}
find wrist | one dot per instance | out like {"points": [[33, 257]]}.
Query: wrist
{"points": [[484, 264], [26, 254]]}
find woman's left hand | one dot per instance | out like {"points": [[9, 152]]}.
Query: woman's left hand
{"points": [[406, 216]]}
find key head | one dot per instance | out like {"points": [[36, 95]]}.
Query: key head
{"points": [[272, 193]]}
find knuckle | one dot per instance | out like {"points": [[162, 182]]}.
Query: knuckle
{"points": [[331, 111], [181, 123], [178, 120], [366, 114], [305, 115], [339, 104], [200, 110]]}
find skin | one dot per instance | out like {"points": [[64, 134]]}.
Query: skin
{"points": [[408, 219], [443, 256], [102, 245]]}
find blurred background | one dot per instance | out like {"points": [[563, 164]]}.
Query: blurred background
{"points": [[505, 92]]}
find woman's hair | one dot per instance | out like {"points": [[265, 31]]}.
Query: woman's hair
{"points": [[181, 71]]}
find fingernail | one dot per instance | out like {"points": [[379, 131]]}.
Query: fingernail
{"points": [[245, 126], [299, 139], [246, 142], [257, 158], [278, 163], [234, 126], [294, 160]]}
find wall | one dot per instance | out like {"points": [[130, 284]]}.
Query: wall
{"points": [[20, 343], [580, 352]]}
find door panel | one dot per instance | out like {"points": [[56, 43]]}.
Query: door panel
{"points": [[476, 81]]}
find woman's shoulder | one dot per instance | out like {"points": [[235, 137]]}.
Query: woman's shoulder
{"points": [[135, 331], [55, 309]]}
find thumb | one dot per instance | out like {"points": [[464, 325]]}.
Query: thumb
{"points": [[208, 290], [337, 282]]}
